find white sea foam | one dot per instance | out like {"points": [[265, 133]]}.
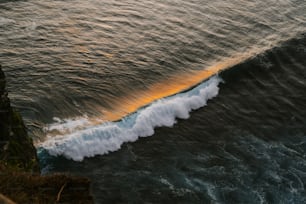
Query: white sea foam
{"points": [[67, 125], [108, 137]]}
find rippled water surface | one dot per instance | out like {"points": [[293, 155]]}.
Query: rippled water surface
{"points": [[93, 77]]}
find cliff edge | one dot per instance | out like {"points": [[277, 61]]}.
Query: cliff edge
{"points": [[20, 179], [16, 148]]}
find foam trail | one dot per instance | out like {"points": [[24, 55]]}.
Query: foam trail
{"points": [[108, 137], [66, 126]]}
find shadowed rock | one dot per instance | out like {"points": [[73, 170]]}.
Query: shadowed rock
{"points": [[19, 168], [16, 148]]}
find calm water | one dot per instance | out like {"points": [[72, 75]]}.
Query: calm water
{"points": [[85, 73]]}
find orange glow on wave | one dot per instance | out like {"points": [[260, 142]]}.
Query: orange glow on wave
{"points": [[175, 84]]}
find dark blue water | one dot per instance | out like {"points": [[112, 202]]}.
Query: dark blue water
{"points": [[246, 146], [238, 137]]}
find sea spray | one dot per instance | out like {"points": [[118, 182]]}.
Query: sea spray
{"points": [[108, 137]]}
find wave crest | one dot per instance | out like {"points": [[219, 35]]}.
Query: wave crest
{"points": [[108, 137]]}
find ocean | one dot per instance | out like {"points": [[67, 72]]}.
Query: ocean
{"points": [[164, 101]]}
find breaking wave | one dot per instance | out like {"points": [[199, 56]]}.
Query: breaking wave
{"points": [[108, 137]]}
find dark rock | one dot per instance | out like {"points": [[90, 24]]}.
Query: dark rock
{"points": [[2, 81], [16, 147], [58, 188], [5, 200], [19, 168]]}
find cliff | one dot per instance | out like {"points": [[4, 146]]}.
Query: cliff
{"points": [[20, 180], [16, 148]]}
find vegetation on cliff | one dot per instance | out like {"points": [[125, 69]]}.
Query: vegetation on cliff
{"points": [[20, 180], [32, 188], [16, 148]]}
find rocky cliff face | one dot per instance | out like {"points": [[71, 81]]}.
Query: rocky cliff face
{"points": [[16, 148], [20, 180]]}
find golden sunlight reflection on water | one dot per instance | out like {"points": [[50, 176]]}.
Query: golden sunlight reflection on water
{"points": [[175, 84]]}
